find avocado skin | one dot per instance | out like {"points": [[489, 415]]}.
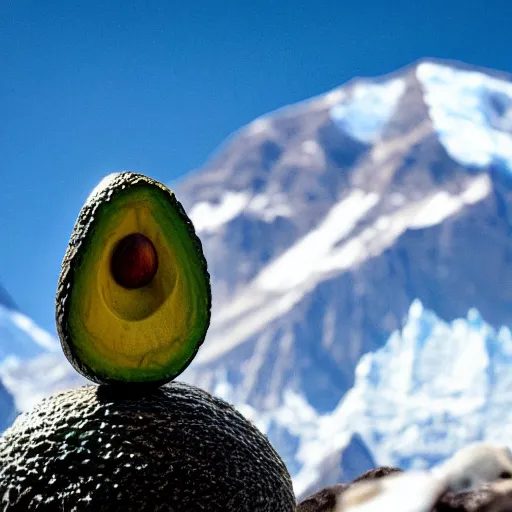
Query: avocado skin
{"points": [[71, 263], [175, 449]]}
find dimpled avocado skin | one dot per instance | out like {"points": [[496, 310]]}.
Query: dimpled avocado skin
{"points": [[175, 449]]}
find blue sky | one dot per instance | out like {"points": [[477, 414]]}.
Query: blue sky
{"points": [[88, 88]]}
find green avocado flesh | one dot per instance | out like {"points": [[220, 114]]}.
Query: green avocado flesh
{"points": [[134, 299]]}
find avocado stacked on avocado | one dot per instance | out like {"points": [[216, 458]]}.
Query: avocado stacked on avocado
{"points": [[133, 308]]}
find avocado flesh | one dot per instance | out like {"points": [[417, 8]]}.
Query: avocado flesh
{"points": [[147, 334]]}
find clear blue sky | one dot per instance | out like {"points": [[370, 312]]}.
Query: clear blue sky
{"points": [[92, 87]]}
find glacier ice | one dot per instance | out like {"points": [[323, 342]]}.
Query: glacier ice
{"points": [[433, 388], [430, 390]]}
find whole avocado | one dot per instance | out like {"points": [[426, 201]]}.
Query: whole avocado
{"points": [[108, 448]]}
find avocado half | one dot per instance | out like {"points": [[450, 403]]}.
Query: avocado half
{"points": [[133, 300], [175, 448]]}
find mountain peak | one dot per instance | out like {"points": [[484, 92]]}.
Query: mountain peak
{"points": [[329, 222], [457, 65], [460, 103]]}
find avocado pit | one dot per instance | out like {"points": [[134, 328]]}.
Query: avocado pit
{"points": [[134, 261]]}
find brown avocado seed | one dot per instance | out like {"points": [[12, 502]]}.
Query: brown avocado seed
{"points": [[134, 261]]}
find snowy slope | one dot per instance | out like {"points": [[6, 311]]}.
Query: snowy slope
{"points": [[471, 112], [325, 251], [30, 380], [379, 213]]}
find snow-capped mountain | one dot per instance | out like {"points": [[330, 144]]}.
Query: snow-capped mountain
{"points": [[325, 221], [361, 260]]}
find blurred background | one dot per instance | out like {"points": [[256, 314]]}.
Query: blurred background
{"points": [[348, 168]]}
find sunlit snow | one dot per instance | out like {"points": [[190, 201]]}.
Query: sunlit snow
{"points": [[472, 113], [268, 207], [38, 335], [32, 364], [433, 388], [29, 381], [413, 491], [258, 126], [299, 262], [442, 205], [209, 217], [368, 109]]}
